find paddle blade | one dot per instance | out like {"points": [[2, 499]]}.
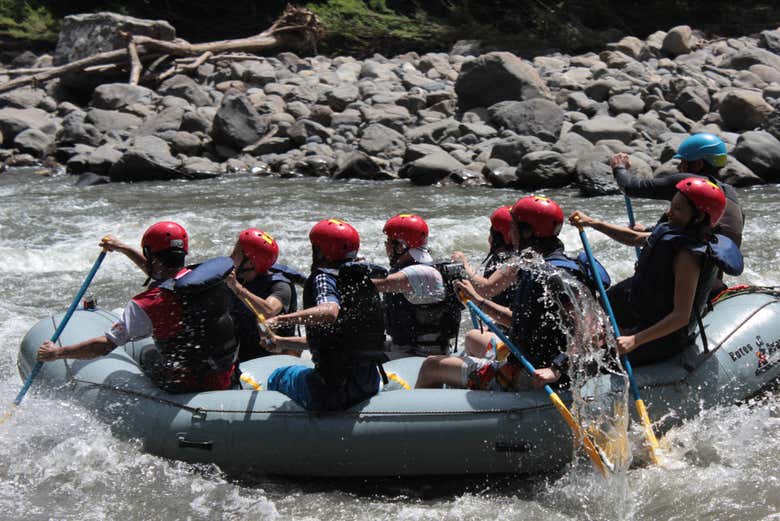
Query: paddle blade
{"points": [[587, 444], [8, 414], [652, 441]]}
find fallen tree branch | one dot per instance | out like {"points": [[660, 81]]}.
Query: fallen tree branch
{"points": [[135, 63], [185, 67]]}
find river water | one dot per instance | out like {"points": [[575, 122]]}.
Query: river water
{"points": [[58, 462]]}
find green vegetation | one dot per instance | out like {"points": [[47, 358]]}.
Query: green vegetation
{"points": [[362, 27]]}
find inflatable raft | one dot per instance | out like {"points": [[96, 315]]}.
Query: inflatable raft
{"points": [[400, 432]]}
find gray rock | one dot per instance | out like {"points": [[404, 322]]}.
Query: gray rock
{"points": [[495, 77], [543, 169], [184, 143], [604, 127], [535, 117], [358, 166], [13, 121], [760, 152], [303, 129], [24, 59], [629, 45], [626, 103], [253, 72], [25, 98], [115, 96], [770, 40], [743, 109], [679, 40], [594, 175], [512, 149], [349, 117], [430, 169], [500, 176], [186, 88], [147, 158], [76, 130], [316, 166], [602, 89], [378, 139], [693, 102], [197, 121], [434, 132], [272, 145], [580, 102], [340, 97], [414, 152], [98, 161], [200, 165], [478, 129], [390, 115], [83, 35], [298, 110], [167, 119], [737, 174], [765, 73], [237, 124], [112, 121], [321, 114], [746, 58], [650, 126], [33, 141], [573, 145]]}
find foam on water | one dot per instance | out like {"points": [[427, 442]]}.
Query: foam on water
{"points": [[57, 461]]}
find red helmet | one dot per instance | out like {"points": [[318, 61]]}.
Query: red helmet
{"points": [[165, 236], [543, 215], [501, 221], [259, 247], [408, 228], [336, 239], [706, 196]]}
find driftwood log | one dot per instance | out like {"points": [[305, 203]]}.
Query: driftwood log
{"points": [[296, 28]]}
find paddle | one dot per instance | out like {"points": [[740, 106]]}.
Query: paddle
{"points": [[641, 410], [587, 444], [631, 221], [69, 313]]}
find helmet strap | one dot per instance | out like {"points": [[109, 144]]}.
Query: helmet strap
{"points": [[398, 249]]}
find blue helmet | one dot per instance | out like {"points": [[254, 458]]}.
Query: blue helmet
{"points": [[706, 146]]}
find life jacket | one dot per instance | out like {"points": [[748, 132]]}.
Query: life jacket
{"points": [[494, 262], [426, 327], [356, 338], [192, 326], [580, 267], [245, 319], [535, 327], [652, 289]]}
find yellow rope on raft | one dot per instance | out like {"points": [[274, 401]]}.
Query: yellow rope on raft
{"points": [[400, 381]]}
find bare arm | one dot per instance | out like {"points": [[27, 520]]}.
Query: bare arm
{"points": [[395, 283], [686, 275], [269, 307], [500, 314], [92, 348], [491, 286], [111, 243], [621, 234], [324, 313]]}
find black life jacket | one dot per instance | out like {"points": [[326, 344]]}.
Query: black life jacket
{"points": [[535, 326], [205, 341], [494, 262], [652, 289], [580, 267], [427, 327], [357, 336], [245, 319]]}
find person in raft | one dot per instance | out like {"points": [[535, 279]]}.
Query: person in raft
{"points": [[256, 280], [534, 322], [344, 326], [421, 320], [659, 309], [185, 310]]}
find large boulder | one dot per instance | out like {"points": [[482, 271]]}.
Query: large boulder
{"points": [[626, 103], [746, 58], [497, 76], [148, 158], [378, 139], [13, 121], [604, 127], [237, 124], [770, 40], [431, 169], [512, 149], [359, 166], [594, 175], [83, 35], [33, 141], [186, 88], [693, 102], [536, 117], [760, 152], [115, 96], [679, 40], [737, 174], [742, 109], [543, 169]]}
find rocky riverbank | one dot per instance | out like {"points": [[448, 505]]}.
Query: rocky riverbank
{"points": [[493, 119]]}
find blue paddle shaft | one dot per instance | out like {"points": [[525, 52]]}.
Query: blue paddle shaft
{"points": [[73, 305], [608, 307], [497, 330], [631, 221]]}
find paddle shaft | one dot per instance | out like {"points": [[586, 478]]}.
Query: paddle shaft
{"points": [[590, 449], [631, 221], [64, 322], [640, 404]]}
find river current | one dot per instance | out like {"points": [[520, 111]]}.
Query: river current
{"points": [[57, 461]]}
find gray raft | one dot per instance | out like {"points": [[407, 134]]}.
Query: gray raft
{"points": [[401, 432]]}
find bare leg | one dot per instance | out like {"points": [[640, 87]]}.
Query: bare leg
{"points": [[478, 342], [438, 370]]}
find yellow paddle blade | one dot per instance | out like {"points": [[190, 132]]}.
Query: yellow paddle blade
{"points": [[247, 379], [394, 377], [587, 444], [652, 441], [610, 437]]}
